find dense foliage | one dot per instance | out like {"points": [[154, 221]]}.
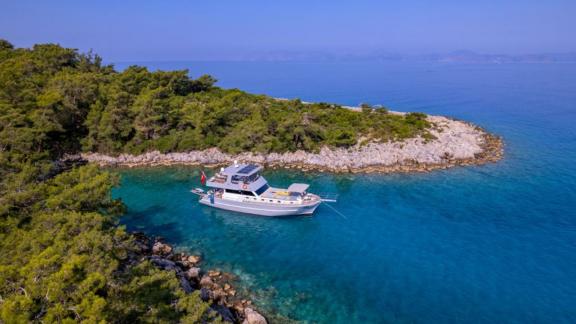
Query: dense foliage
{"points": [[63, 256], [138, 111], [64, 259]]}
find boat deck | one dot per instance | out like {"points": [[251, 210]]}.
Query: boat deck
{"points": [[278, 193], [283, 195]]}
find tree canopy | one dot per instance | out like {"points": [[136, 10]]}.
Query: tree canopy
{"points": [[64, 259]]}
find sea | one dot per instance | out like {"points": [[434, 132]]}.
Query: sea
{"points": [[478, 244]]}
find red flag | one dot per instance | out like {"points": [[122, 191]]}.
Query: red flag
{"points": [[203, 178]]}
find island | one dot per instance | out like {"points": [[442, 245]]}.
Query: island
{"points": [[137, 118], [64, 257]]}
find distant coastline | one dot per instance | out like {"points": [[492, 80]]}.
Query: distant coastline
{"points": [[465, 57], [457, 143]]}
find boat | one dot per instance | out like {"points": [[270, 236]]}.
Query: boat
{"points": [[242, 188]]}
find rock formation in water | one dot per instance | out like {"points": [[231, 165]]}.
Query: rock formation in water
{"points": [[216, 287]]}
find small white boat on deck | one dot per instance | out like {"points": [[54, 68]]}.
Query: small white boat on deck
{"points": [[241, 188]]}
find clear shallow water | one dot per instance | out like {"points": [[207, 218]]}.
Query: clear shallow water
{"points": [[494, 243]]}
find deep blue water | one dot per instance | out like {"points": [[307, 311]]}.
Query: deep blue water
{"points": [[486, 244]]}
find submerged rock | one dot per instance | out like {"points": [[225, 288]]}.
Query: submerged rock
{"points": [[214, 273], [194, 259], [253, 317]]}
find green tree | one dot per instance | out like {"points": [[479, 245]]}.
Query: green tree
{"points": [[5, 45]]}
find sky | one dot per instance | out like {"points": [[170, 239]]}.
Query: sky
{"points": [[231, 29]]}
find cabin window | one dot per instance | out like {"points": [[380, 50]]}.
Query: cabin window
{"points": [[253, 177], [240, 192], [262, 189], [237, 178]]}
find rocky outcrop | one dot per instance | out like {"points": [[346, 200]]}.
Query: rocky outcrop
{"points": [[160, 248], [455, 143], [216, 287], [253, 317]]}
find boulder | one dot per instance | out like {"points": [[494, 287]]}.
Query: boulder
{"points": [[253, 317], [163, 263], [160, 248], [193, 273], [194, 259], [238, 307], [214, 273], [206, 281], [219, 294]]}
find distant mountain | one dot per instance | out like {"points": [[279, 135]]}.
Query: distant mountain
{"points": [[451, 57], [472, 57]]}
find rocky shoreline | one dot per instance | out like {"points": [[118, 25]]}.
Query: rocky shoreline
{"points": [[455, 143], [215, 287]]}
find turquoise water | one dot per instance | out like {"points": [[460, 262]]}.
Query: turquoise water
{"points": [[494, 243]]}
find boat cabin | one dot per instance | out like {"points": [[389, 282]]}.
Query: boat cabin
{"points": [[241, 180], [244, 177]]}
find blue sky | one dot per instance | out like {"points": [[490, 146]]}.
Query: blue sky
{"points": [[181, 30]]}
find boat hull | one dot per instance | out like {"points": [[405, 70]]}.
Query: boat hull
{"points": [[261, 209]]}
